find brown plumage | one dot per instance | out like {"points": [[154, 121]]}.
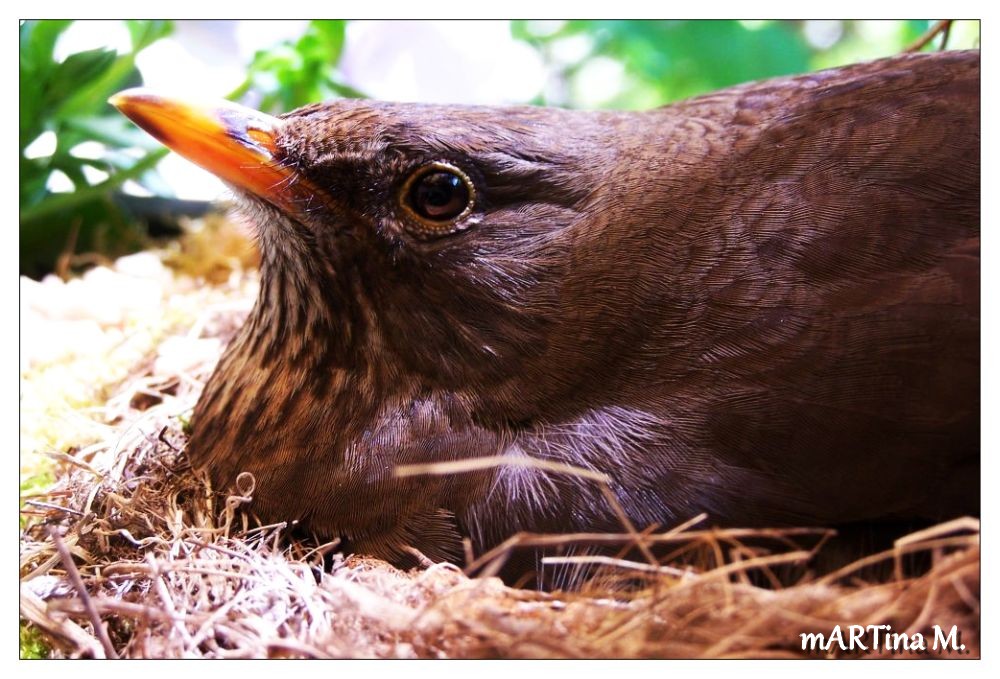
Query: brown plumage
{"points": [[762, 304]]}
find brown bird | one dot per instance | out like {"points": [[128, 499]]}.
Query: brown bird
{"points": [[762, 304]]}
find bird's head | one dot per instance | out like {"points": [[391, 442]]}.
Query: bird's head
{"points": [[464, 246]]}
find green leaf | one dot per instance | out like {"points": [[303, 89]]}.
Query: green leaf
{"points": [[345, 90], [332, 34], [113, 130], [31, 123], [38, 41], [69, 201], [144, 33], [520, 30], [913, 29], [33, 176], [281, 57], [94, 97], [70, 99], [296, 73], [77, 71], [73, 168]]}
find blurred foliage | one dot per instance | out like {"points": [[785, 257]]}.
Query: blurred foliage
{"points": [[657, 62], [300, 72], [618, 64], [662, 61], [67, 127], [64, 103]]}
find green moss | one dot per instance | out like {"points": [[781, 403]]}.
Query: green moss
{"points": [[32, 484], [32, 644], [38, 481]]}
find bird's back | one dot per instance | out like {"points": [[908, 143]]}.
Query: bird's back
{"points": [[835, 290], [800, 341]]}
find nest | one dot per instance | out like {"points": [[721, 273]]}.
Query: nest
{"points": [[131, 554]]}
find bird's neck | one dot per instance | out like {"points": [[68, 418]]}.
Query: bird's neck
{"points": [[288, 377]]}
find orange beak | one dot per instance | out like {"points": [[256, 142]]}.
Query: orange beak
{"points": [[233, 142]]}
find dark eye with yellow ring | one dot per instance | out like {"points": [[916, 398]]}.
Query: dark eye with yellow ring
{"points": [[438, 195]]}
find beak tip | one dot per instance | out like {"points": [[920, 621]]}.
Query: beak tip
{"points": [[117, 100], [122, 100]]}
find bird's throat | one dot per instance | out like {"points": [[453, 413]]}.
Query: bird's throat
{"points": [[286, 389]]}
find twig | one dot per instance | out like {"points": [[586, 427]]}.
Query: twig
{"points": [[156, 575], [619, 511], [161, 438], [669, 537], [967, 597], [491, 462], [945, 36], [70, 459], [895, 552], [618, 563], [299, 647], [921, 42], [39, 613], [57, 508], [419, 556], [965, 523], [88, 605], [66, 256]]}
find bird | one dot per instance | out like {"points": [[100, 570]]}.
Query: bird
{"points": [[759, 304]]}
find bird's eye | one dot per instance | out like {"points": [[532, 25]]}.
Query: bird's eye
{"points": [[438, 195]]}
